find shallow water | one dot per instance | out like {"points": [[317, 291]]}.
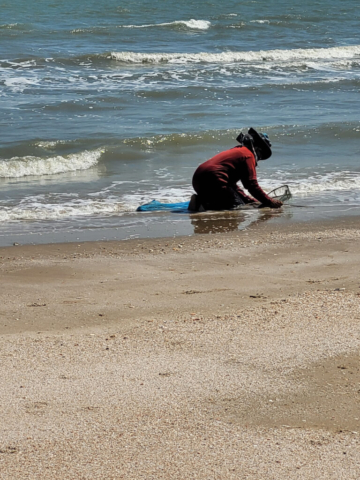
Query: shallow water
{"points": [[107, 108]]}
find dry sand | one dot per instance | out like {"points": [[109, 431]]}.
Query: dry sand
{"points": [[229, 356]]}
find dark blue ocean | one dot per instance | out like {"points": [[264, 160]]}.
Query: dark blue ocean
{"points": [[108, 105]]}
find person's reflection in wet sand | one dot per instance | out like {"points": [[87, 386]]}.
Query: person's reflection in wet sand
{"points": [[217, 222], [231, 220]]}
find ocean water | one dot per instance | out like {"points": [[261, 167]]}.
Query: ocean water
{"points": [[108, 105]]}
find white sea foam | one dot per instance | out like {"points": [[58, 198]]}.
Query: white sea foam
{"points": [[89, 30], [18, 167], [33, 210], [332, 182], [20, 83], [51, 143], [260, 21], [8, 25], [313, 54], [316, 184], [81, 30], [340, 185], [164, 195], [192, 24]]}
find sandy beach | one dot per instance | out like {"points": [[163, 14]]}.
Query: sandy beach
{"points": [[227, 356]]}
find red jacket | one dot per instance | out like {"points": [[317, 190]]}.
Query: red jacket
{"points": [[226, 169]]}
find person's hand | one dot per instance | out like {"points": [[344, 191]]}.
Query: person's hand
{"points": [[275, 204], [251, 201], [272, 204]]}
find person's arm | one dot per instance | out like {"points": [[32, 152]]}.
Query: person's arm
{"points": [[249, 180], [246, 199], [256, 191]]}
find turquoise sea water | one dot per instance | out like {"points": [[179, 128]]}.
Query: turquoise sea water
{"points": [[107, 105]]}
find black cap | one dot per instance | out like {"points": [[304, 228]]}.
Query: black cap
{"points": [[260, 141]]}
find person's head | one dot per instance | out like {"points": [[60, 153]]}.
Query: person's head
{"points": [[258, 143]]}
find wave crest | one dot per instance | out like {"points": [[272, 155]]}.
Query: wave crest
{"points": [[191, 24], [333, 53], [9, 26], [18, 167], [332, 182]]}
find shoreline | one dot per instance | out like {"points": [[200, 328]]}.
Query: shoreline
{"points": [[218, 225], [172, 225], [235, 355]]}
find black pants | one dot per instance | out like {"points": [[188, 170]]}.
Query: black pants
{"points": [[217, 197]]}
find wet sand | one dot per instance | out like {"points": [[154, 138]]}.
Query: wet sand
{"points": [[223, 356]]}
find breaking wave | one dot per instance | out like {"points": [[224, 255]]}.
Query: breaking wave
{"points": [[339, 56], [9, 26], [331, 182], [18, 167], [335, 53], [335, 183], [260, 21], [191, 24]]}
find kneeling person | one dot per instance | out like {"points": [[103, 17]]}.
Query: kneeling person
{"points": [[215, 181]]}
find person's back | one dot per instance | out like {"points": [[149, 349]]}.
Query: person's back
{"points": [[229, 166]]}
